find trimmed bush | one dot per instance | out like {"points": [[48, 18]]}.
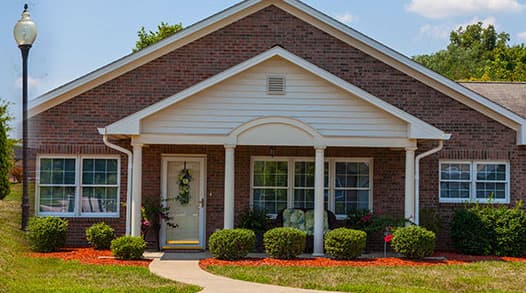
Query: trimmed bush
{"points": [[469, 233], [490, 230], [344, 243], [128, 247], [231, 244], [284, 242], [414, 242], [46, 234], [100, 235]]}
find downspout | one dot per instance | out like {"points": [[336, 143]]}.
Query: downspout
{"points": [[417, 178], [130, 166]]}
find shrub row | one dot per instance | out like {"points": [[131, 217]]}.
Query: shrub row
{"points": [[47, 234], [490, 230]]}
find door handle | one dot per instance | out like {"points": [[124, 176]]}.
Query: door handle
{"points": [[202, 202]]}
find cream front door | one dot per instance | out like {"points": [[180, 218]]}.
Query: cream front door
{"points": [[189, 217]]}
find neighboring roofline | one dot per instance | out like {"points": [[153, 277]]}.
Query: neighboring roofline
{"points": [[307, 14], [418, 129]]}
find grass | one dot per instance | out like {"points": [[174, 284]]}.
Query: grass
{"points": [[20, 273], [489, 276]]}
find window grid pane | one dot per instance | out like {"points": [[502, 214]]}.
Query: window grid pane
{"points": [[303, 196], [351, 187], [57, 185], [455, 181], [491, 181], [99, 186]]}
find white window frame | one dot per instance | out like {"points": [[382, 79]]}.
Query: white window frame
{"points": [[332, 175], [78, 186], [473, 181]]}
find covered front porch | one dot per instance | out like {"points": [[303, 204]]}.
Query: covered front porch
{"points": [[276, 113]]}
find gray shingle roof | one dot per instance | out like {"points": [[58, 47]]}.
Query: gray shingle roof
{"points": [[511, 95]]}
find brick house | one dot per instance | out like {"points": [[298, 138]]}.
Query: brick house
{"points": [[270, 104]]}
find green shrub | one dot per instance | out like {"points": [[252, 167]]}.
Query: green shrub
{"points": [[46, 234], [128, 247], [469, 234], [414, 242], [490, 230], [100, 235], [430, 219], [231, 244], [284, 242], [370, 222], [344, 243]]}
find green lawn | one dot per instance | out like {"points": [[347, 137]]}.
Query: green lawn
{"points": [[476, 277], [19, 273]]}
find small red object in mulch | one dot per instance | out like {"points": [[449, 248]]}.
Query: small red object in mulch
{"points": [[91, 256], [449, 259]]}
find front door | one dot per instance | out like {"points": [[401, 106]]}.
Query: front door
{"points": [[186, 208]]}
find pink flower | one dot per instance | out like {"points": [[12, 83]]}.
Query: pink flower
{"points": [[146, 223], [388, 238]]}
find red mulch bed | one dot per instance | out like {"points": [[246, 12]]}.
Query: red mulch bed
{"points": [[450, 258], [91, 256]]}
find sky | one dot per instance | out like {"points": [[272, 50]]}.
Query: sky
{"points": [[76, 36]]}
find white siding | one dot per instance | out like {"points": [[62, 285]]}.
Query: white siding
{"points": [[316, 102]]}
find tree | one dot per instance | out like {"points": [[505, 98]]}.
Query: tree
{"points": [[6, 150], [146, 39], [478, 53]]}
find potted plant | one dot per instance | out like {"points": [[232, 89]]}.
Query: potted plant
{"points": [[153, 212], [257, 221]]}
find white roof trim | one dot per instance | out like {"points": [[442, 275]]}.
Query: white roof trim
{"points": [[418, 129], [306, 13]]}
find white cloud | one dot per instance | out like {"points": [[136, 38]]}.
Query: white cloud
{"points": [[522, 36], [346, 17], [490, 20], [446, 8], [32, 82], [442, 31], [435, 31]]}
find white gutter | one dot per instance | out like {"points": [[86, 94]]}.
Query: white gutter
{"points": [[417, 178], [130, 166]]}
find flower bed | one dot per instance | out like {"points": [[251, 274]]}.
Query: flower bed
{"points": [[449, 259], [91, 256]]}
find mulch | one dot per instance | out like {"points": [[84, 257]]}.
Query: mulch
{"points": [[91, 256], [446, 259]]}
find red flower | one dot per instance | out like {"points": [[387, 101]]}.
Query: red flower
{"points": [[388, 238], [146, 223]]}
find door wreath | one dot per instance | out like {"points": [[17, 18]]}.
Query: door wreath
{"points": [[185, 177]]}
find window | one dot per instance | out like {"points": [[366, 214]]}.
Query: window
{"points": [[352, 187], [57, 185], [99, 186], [270, 185], [279, 183], [304, 184], [78, 186], [474, 180]]}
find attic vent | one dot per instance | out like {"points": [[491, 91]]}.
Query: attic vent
{"points": [[276, 85]]}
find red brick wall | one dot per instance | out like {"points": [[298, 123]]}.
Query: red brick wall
{"points": [[74, 123]]}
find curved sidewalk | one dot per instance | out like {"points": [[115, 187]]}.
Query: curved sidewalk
{"points": [[189, 272]]}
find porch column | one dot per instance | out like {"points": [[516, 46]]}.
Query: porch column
{"points": [[319, 167], [136, 198], [229, 187], [409, 211]]}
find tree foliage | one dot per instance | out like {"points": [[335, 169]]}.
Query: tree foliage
{"points": [[164, 30], [477, 53], [6, 150]]}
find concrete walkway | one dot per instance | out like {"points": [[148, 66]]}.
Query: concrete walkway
{"points": [[189, 272]]}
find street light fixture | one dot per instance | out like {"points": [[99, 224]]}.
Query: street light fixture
{"points": [[25, 33]]}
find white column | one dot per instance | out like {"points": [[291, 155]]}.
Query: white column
{"points": [[229, 187], [409, 212], [136, 199], [319, 167]]}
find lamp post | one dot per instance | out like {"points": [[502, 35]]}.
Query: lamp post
{"points": [[25, 33]]}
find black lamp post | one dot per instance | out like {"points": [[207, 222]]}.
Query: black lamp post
{"points": [[25, 33]]}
